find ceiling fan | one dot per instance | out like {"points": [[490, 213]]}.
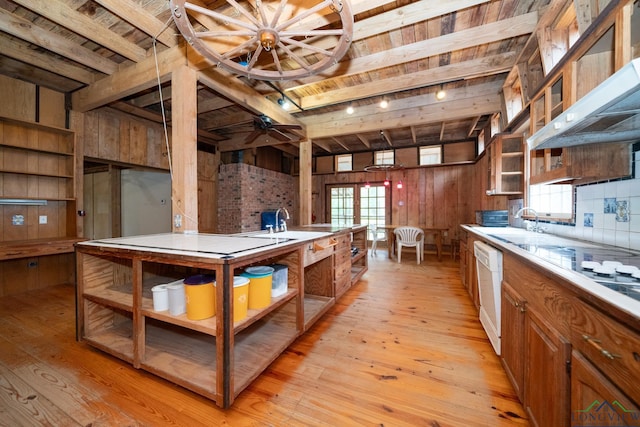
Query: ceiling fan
{"points": [[263, 125]]}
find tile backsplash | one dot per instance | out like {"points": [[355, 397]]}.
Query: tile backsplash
{"points": [[607, 212]]}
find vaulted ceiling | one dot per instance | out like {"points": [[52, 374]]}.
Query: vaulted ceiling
{"points": [[114, 53]]}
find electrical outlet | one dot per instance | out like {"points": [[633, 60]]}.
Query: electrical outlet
{"points": [[42, 219], [177, 221]]}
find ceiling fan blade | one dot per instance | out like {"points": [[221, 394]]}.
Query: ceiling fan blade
{"points": [[292, 127], [253, 136], [280, 136]]}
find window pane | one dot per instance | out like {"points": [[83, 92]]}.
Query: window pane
{"points": [[344, 162], [431, 155], [385, 157], [372, 205], [555, 200]]}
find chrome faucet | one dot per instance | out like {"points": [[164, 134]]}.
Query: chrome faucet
{"points": [[536, 227], [283, 222]]}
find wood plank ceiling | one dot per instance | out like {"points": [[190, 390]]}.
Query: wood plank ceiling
{"points": [[103, 53]]}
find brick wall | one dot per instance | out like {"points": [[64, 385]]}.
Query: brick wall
{"points": [[245, 191]]}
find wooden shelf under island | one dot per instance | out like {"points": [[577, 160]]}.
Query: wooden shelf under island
{"points": [[215, 357]]}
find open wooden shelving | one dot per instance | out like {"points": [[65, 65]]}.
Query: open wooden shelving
{"points": [[210, 357]]}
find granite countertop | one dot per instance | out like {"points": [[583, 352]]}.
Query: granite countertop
{"points": [[564, 257]]}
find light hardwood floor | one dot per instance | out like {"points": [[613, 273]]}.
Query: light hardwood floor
{"points": [[403, 347]]}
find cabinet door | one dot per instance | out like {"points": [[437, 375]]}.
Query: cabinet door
{"points": [[546, 378], [512, 341], [594, 397]]}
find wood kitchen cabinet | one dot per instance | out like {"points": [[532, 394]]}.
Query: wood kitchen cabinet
{"points": [[506, 165], [580, 164], [536, 358], [563, 348], [589, 389], [512, 343]]}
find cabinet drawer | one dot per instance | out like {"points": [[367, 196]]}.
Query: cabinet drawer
{"points": [[611, 346], [342, 261], [344, 240], [318, 250]]}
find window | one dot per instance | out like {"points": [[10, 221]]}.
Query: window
{"points": [[342, 206], [431, 155], [344, 162], [372, 205], [554, 201], [385, 157], [358, 204]]}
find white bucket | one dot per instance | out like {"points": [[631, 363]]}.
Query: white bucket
{"points": [[160, 297], [177, 304]]}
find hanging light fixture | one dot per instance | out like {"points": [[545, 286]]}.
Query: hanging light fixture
{"points": [[384, 103], [399, 185], [350, 109], [367, 185], [387, 182], [268, 31], [441, 94]]}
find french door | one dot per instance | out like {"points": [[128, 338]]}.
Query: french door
{"points": [[358, 204]]}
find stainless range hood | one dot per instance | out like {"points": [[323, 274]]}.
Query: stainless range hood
{"points": [[609, 113]]}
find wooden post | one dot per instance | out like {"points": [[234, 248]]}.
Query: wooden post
{"points": [[305, 182], [184, 151]]}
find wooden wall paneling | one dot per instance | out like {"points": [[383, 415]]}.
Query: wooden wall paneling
{"points": [[137, 143], [208, 191], [91, 134], [408, 157], [324, 164], [124, 140], [429, 197], [109, 136], [22, 96], [410, 183], [51, 108], [156, 147], [459, 152], [360, 160]]}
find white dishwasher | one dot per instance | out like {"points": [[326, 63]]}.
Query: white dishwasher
{"points": [[489, 268]]}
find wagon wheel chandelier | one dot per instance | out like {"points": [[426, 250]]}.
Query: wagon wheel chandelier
{"points": [[268, 40]]}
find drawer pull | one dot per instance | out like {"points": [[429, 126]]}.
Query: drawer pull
{"points": [[596, 344]]}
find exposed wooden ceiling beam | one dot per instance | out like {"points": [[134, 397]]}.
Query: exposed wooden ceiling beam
{"points": [[364, 140], [25, 30], [471, 37], [442, 131], [461, 103], [451, 110], [21, 52], [472, 128], [138, 17], [484, 66], [81, 24], [414, 137], [337, 141]]}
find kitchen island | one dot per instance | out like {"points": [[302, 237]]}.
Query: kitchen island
{"points": [[215, 357], [570, 337]]}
